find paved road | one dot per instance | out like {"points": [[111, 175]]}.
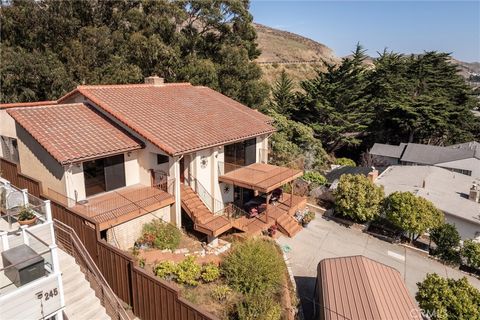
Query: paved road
{"points": [[325, 239]]}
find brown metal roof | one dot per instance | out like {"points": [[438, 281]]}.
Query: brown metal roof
{"points": [[74, 132], [360, 288], [178, 118], [259, 176]]}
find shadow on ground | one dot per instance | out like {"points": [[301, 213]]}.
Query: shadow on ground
{"points": [[306, 292]]}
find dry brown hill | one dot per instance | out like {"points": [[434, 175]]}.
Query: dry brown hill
{"points": [[298, 55]]}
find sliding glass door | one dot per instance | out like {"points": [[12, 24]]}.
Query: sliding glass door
{"points": [[104, 174]]}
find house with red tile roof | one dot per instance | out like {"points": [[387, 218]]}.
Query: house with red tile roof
{"points": [[123, 154]]}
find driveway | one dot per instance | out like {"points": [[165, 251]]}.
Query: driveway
{"points": [[326, 239]]}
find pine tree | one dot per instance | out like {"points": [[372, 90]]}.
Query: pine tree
{"points": [[283, 95]]}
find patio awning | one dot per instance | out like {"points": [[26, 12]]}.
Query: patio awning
{"points": [[261, 177]]}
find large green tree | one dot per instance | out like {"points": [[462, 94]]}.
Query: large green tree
{"points": [[208, 42], [334, 103], [358, 198], [447, 240], [419, 98], [445, 299], [415, 215]]}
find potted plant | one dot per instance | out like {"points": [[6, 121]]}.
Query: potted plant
{"points": [[26, 217], [309, 216]]}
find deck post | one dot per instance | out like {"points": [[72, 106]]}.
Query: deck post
{"points": [[266, 209], [178, 204], [291, 193]]}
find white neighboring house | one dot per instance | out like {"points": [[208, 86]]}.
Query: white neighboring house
{"points": [[457, 195], [30, 277], [463, 158]]}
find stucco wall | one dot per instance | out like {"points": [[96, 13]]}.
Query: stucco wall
{"points": [[466, 229], [7, 127], [37, 163], [124, 235]]}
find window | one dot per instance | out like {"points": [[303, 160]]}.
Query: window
{"points": [[161, 159], [9, 149], [241, 153], [104, 174]]}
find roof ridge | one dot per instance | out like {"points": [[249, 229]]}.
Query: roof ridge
{"points": [[133, 85]]}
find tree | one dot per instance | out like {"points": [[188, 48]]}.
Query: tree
{"points": [[442, 298], [447, 239], [471, 253], [358, 198], [415, 215], [345, 162], [294, 140], [333, 103], [283, 95], [124, 41], [419, 98]]}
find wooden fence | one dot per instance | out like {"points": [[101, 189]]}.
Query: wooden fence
{"points": [[149, 297]]}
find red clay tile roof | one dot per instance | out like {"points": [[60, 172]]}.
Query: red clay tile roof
{"points": [[74, 132], [360, 288], [26, 104], [178, 118]]}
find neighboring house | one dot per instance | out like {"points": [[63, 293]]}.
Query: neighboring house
{"points": [[31, 285], [451, 192], [333, 176], [118, 152], [463, 158], [357, 288]]}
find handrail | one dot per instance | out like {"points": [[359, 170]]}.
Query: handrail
{"points": [[210, 202], [232, 211], [107, 297]]}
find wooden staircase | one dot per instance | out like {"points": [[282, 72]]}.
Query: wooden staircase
{"points": [[288, 225], [204, 220]]}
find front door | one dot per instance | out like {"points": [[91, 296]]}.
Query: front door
{"points": [[182, 170]]}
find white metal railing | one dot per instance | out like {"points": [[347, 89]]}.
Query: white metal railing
{"points": [[212, 204]]}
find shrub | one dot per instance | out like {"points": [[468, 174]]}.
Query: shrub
{"points": [[358, 198], [315, 178], [448, 298], [256, 307], [471, 253], [160, 235], [254, 266], [412, 214], [221, 292], [165, 270], [188, 271], [210, 272], [345, 162], [447, 239]]}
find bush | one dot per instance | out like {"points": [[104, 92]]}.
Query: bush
{"points": [[448, 298], [165, 270], [160, 235], [471, 253], [221, 292], [358, 198], [188, 272], [412, 214], [210, 272], [315, 178], [345, 162], [259, 307], [254, 266], [447, 239]]}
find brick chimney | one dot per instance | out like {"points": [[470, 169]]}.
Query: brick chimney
{"points": [[373, 175], [154, 80], [474, 193]]}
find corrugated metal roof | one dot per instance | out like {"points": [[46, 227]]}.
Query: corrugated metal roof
{"points": [[360, 288]]}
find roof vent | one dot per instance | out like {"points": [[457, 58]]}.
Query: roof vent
{"points": [[154, 80]]}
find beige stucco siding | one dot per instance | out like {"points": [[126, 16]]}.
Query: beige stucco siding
{"points": [[37, 163], [466, 229], [7, 127]]}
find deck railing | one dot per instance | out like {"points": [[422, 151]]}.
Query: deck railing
{"points": [[212, 204], [231, 211], [69, 242]]}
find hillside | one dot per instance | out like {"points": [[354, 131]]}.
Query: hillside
{"points": [[301, 56], [298, 55]]}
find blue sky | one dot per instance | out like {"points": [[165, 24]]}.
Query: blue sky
{"points": [[401, 26]]}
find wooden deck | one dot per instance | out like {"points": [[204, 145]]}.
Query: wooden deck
{"points": [[255, 226], [121, 205]]}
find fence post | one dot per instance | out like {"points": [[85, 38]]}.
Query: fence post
{"points": [[24, 235], [25, 196], [4, 236]]}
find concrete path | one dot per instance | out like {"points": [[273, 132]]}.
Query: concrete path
{"points": [[325, 239]]}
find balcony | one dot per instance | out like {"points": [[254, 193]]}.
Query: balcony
{"points": [[112, 208]]}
